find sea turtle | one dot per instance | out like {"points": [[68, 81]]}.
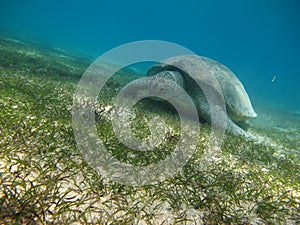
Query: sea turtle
{"points": [[184, 71]]}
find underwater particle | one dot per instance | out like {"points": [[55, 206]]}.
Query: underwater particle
{"points": [[274, 79]]}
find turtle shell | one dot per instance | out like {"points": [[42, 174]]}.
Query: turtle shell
{"points": [[238, 104]]}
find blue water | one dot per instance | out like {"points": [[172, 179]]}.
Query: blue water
{"points": [[256, 39]]}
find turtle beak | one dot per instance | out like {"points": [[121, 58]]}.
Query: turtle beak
{"points": [[253, 115]]}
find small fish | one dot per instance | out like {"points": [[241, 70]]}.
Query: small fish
{"points": [[274, 79]]}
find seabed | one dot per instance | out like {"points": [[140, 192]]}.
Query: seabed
{"points": [[45, 180]]}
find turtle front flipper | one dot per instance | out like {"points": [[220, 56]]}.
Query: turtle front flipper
{"points": [[235, 129], [205, 115]]}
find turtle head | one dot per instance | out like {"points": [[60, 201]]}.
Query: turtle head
{"points": [[241, 110]]}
